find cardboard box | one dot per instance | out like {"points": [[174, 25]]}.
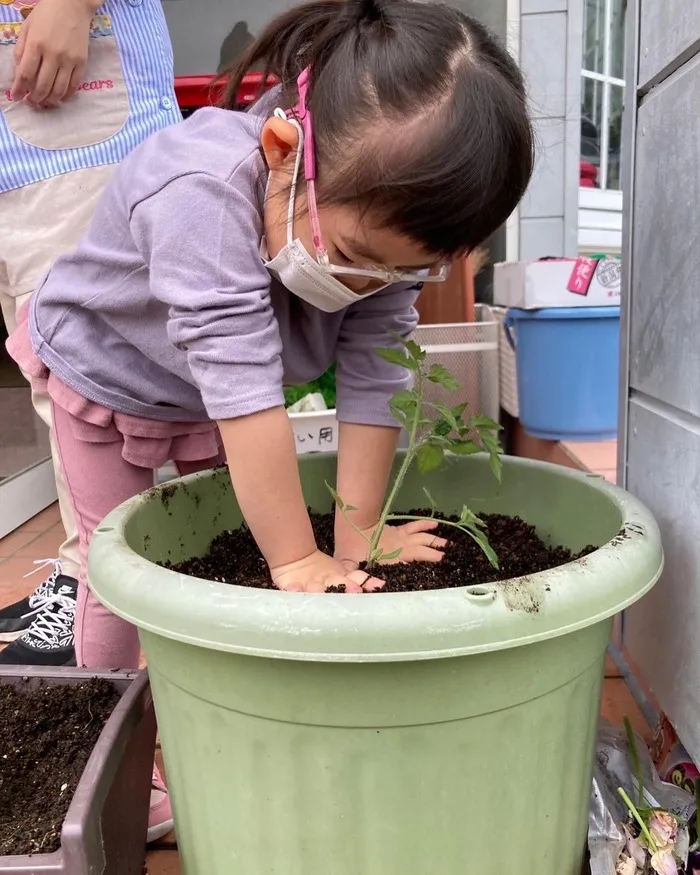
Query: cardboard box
{"points": [[561, 282]]}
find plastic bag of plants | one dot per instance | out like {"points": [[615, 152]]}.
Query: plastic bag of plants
{"points": [[638, 824], [324, 387]]}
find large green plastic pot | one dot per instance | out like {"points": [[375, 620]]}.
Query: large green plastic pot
{"points": [[439, 733]]}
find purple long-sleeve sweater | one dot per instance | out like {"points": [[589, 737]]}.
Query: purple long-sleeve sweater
{"points": [[165, 310]]}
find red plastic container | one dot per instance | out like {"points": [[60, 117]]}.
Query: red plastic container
{"points": [[193, 92], [104, 832], [588, 175]]}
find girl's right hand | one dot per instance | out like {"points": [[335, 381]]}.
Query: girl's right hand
{"points": [[264, 470], [318, 571]]}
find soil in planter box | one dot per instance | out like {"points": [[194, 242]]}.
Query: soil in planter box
{"points": [[234, 557], [46, 738]]}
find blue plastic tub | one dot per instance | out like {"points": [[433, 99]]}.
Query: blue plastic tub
{"points": [[568, 365]]}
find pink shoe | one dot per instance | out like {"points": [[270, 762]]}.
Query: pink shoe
{"points": [[160, 817]]}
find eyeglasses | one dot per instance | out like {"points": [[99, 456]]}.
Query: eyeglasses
{"points": [[302, 113]]}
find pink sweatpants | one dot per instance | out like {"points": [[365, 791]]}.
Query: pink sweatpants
{"points": [[98, 480]]}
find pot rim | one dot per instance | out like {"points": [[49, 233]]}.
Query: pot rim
{"points": [[387, 627]]}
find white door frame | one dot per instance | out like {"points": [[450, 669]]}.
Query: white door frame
{"points": [[24, 495]]}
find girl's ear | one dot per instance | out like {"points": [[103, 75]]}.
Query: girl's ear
{"points": [[279, 140]]}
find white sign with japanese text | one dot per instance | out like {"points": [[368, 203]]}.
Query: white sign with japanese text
{"points": [[315, 432]]}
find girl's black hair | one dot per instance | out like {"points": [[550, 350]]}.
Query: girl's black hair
{"points": [[420, 114]]}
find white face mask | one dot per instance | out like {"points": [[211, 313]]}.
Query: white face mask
{"points": [[299, 272]]}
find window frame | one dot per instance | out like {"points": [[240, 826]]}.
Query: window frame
{"points": [[608, 82]]}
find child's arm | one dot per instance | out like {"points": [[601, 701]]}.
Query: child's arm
{"points": [[270, 472], [365, 456], [368, 432], [268, 490], [200, 237], [52, 51], [264, 471]]}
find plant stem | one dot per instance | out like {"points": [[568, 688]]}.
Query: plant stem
{"points": [[636, 762], [403, 470], [407, 517], [355, 527], [638, 817]]}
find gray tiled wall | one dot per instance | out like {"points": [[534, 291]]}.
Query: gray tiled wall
{"points": [[550, 55], [660, 443]]}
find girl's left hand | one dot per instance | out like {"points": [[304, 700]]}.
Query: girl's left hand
{"points": [[415, 540]]}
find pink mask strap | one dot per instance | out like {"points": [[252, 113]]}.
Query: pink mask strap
{"points": [[303, 113]]}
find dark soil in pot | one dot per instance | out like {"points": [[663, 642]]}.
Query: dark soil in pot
{"points": [[46, 739], [234, 557]]}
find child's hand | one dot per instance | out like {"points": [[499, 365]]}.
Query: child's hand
{"points": [[51, 51], [414, 539], [317, 572]]}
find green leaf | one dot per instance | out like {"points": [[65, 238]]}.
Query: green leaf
{"points": [[387, 557], [334, 495], [406, 402], [458, 413], [429, 458], [464, 447], [496, 466], [345, 508], [487, 549], [447, 414], [469, 519], [396, 357], [440, 440], [415, 351], [400, 417], [404, 406], [494, 450], [441, 428], [474, 526], [439, 374], [480, 423], [490, 441]]}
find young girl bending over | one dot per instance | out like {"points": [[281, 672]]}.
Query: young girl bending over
{"points": [[235, 253]]}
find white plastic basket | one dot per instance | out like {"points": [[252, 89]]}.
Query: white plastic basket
{"points": [[468, 350], [508, 369]]}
